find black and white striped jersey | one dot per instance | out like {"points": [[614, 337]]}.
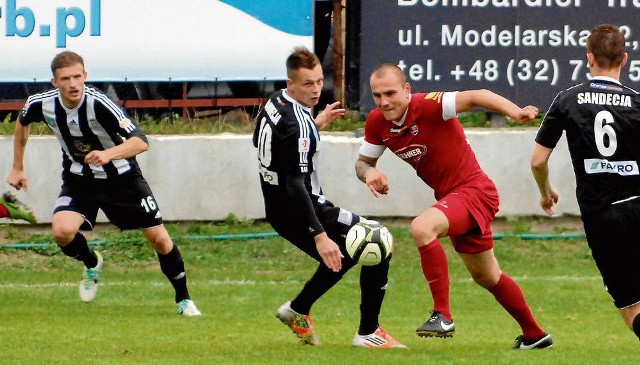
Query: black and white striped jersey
{"points": [[601, 119], [288, 145], [97, 123]]}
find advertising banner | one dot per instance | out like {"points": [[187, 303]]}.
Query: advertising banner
{"points": [[154, 40], [526, 50]]}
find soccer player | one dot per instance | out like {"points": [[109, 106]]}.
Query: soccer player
{"points": [[423, 130], [99, 144], [601, 118], [288, 143], [12, 208]]}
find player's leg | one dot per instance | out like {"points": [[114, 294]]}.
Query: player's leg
{"points": [[373, 286], [425, 229], [616, 256], [631, 316], [70, 216], [172, 266], [485, 271]]}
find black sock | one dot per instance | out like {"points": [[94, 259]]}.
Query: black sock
{"points": [[321, 281], [373, 286], [636, 326], [172, 267], [80, 250]]}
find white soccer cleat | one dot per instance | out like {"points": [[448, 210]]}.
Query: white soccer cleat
{"points": [[90, 278], [380, 339], [188, 308]]}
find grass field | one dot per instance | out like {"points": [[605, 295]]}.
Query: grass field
{"points": [[238, 285]]}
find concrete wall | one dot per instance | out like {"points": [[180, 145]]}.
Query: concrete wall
{"points": [[210, 177]]}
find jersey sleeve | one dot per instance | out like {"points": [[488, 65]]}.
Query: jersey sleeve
{"points": [[372, 143], [31, 112], [552, 126]]}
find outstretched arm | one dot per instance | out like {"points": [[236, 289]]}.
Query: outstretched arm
{"points": [[540, 170], [486, 99]]}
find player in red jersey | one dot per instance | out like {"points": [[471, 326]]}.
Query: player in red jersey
{"points": [[423, 130]]}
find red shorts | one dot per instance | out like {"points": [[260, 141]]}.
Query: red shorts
{"points": [[470, 211]]}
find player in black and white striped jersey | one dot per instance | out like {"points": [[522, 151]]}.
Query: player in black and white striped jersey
{"points": [[99, 144]]}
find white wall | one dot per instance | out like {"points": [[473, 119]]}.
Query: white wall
{"points": [[209, 177]]}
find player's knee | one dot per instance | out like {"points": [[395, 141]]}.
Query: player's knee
{"points": [[422, 231], [485, 279], [63, 234]]}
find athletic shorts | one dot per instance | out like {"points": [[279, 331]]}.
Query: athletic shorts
{"points": [[612, 236], [127, 201], [470, 211], [335, 221]]}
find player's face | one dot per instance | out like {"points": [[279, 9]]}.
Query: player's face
{"points": [[70, 82], [306, 85], [390, 95]]}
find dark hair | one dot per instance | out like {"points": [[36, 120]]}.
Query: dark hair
{"points": [[606, 43], [65, 59], [301, 57]]}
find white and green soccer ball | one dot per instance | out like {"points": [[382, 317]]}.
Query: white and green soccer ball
{"points": [[369, 242]]}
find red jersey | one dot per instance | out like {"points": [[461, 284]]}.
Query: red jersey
{"points": [[431, 139]]}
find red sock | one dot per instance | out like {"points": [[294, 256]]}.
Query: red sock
{"points": [[509, 295], [436, 270], [4, 212]]}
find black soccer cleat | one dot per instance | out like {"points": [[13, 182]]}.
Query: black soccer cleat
{"points": [[541, 343], [437, 325]]}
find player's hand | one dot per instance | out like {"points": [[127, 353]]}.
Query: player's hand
{"points": [[97, 158], [376, 182], [329, 115], [17, 179], [329, 252], [526, 114], [547, 202]]}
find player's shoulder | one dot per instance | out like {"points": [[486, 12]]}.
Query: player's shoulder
{"points": [[42, 96]]}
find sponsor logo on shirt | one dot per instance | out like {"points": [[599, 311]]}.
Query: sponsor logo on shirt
{"points": [[602, 166], [595, 85], [413, 152]]}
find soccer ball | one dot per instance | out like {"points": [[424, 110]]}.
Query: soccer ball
{"points": [[369, 242]]}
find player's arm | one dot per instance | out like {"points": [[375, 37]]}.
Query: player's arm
{"points": [[328, 250], [486, 99], [540, 169], [17, 176], [129, 148], [375, 179], [329, 115]]}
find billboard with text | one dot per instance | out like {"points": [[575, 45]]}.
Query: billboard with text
{"points": [[154, 40], [526, 50]]}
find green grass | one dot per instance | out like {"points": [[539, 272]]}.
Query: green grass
{"points": [[238, 285]]}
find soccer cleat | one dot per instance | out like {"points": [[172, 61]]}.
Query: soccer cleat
{"points": [[17, 210], [301, 324], [541, 343], [437, 325], [187, 307], [90, 279], [380, 339]]}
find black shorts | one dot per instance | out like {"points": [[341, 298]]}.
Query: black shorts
{"points": [[335, 221], [127, 201], [613, 238]]}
